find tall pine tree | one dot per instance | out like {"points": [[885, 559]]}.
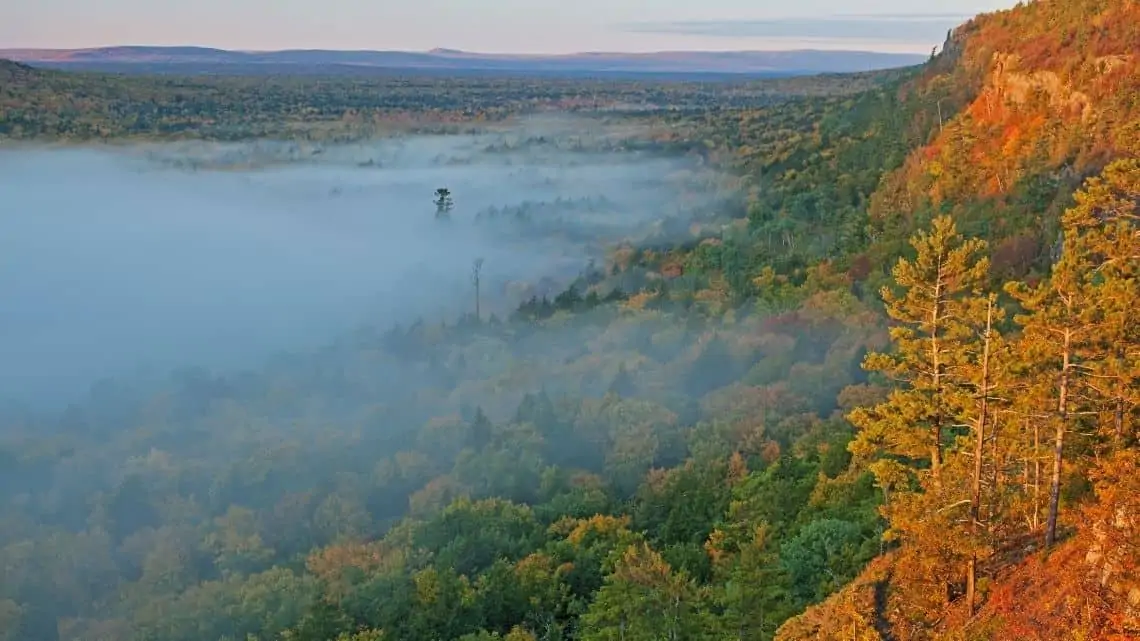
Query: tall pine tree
{"points": [[941, 319], [939, 289], [1104, 225]]}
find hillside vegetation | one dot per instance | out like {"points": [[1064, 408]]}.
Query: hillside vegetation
{"points": [[1055, 101], [897, 398]]}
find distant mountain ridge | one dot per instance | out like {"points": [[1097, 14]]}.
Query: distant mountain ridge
{"points": [[128, 58]]}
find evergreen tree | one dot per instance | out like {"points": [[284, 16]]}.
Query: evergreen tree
{"points": [[481, 430], [643, 599], [623, 384], [1079, 335], [444, 203], [940, 317], [753, 593], [940, 288], [1056, 335], [979, 409], [1105, 226]]}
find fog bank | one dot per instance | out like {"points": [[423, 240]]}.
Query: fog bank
{"points": [[112, 260]]}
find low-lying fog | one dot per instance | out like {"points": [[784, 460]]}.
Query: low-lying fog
{"points": [[116, 259]]}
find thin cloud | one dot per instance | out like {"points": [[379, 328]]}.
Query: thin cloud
{"points": [[881, 28]]}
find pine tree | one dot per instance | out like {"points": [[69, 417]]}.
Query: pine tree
{"points": [[1080, 338], [444, 203], [939, 289], [945, 381], [643, 599], [1105, 225], [481, 430], [979, 410], [753, 592], [1056, 336]]}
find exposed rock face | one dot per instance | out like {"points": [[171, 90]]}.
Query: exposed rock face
{"points": [[1018, 88]]}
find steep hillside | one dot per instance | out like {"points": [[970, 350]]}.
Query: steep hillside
{"points": [[998, 130], [1085, 588], [1032, 101], [1031, 104]]}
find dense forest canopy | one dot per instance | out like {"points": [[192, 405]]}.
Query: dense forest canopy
{"points": [[890, 390]]}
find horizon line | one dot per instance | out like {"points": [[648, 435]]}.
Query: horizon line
{"points": [[450, 50]]}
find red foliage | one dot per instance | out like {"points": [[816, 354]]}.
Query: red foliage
{"points": [[860, 268]]}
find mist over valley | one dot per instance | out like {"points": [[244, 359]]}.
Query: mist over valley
{"points": [[214, 255]]}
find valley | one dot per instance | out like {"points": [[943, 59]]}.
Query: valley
{"points": [[827, 357]]}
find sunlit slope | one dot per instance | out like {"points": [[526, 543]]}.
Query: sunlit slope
{"points": [[1031, 101], [1085, 588]]}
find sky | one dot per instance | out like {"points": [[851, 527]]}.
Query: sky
{"points": [[498, 26]]}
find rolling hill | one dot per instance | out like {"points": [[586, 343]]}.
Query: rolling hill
{"points": [[202, 59]]}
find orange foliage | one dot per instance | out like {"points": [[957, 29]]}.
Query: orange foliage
{"points": [[1047, 598], [1086, 588], [577, 531], [337, 565], [1046, 98], [737, 469], [716, 547]]}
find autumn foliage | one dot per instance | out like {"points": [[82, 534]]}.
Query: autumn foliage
{"points": [[956, 502]]}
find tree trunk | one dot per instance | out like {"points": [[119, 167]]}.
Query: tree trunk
{"points": [[979, 449], [1026, 484], [476, 276], [936, 374], [1118, 423], [971, 581], [675, 628], [936, 453], [1000, 460], [1036, 475], [1059, 442]]}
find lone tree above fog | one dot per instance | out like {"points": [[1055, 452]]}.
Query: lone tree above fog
{"points": [[443, 203]]}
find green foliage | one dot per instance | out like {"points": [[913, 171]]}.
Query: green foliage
{"points": [[756, 593], [469, 537], [644, 599], [823, 556], [480, 524]]}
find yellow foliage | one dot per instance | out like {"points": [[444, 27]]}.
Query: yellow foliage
{"points": [[576, 530], [638, 301]]}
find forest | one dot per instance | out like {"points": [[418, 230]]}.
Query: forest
{"points": [[46, 104], [888, 390]]}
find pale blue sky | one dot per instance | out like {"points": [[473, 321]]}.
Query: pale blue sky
{"points": [[519, 26]]}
